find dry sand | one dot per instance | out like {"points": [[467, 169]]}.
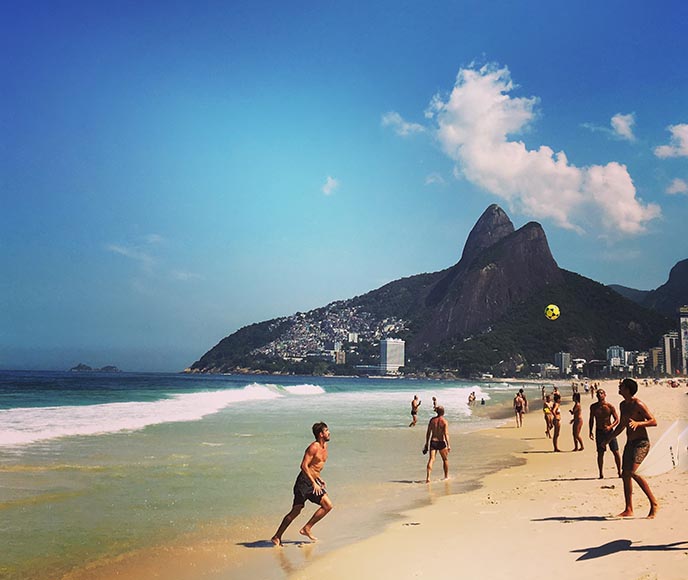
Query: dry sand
{"points": [[548, 518]]}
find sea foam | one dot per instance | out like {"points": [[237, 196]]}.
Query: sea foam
{"points": [[22, 426]]}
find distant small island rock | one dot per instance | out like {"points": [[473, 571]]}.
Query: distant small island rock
{"points": [[82, 368]]}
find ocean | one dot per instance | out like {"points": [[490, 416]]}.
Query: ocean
{"points": [[97, 467]]}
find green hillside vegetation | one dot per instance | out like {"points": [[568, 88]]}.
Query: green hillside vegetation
{"points": [[233, 350], [593, 317]]}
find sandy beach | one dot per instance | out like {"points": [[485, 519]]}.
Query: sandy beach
{"points": [[549, 517]]}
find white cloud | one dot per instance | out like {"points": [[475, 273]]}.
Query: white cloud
{"points": [[154, 239], [144, 259], [185, 276], [331, 184], [623, 126], [434, 179], [401, 127], [678, 146], [475, 125], [677, 186]]}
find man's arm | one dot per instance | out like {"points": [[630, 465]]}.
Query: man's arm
{"points": [[427, 436], [445, 430], [615, 422], [591, 422], [623, 423]]}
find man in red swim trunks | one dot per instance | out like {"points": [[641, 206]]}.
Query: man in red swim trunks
{"points": [[437, 439]]}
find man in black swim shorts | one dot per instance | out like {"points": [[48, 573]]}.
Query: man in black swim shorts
{"points": [[603, 419], [635, 418], [309, 486], [437, 439]]}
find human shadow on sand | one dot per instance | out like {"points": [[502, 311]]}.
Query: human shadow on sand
{"points": [[269, 544], [625, 546], [573, 479], [568, 520]]}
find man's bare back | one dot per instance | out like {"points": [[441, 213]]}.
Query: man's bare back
{"points": [[438, 428]]}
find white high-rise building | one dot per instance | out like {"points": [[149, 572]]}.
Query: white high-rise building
{"points": [[683, 332], [391, 355], [563, 361], [670, 346]]}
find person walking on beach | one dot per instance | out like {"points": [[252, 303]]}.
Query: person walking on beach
{"points": [[577, 422], [556, 420], [635, 418], [309, 486], [437, 439], [519, 409], [604, 418], [414, 410]]}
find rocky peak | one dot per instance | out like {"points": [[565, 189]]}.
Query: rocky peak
{"points": [[490, 228]]}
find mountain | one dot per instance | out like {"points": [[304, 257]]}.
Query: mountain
{"points": [[674, 293], [483, 313], [636, 296], [668, 297]]}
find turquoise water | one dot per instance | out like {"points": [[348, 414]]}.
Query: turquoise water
{"points": [[97, 465]]}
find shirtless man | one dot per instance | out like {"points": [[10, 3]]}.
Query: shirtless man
{"points": [[437, 439], [603, 416], [414, 410], [635, 418], [309, 486]]}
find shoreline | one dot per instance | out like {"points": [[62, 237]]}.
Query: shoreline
{"points": [[550, 515], [515, 508], [220, 551]]}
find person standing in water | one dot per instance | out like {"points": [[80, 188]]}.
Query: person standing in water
{"points": [[309, 486], [437, 439], [414, 410], [635, 418], [519, 408]]}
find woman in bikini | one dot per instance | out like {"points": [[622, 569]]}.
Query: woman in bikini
{"points": [[556, 420], [577, 422], [547, 410]]}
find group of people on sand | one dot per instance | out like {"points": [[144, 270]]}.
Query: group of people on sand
{"points": [[604, 426]]}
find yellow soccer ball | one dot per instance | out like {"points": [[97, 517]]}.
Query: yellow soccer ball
{"points": [[552, 311]]}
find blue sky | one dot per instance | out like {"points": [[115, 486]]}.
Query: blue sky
{"points": [[173, 171]]}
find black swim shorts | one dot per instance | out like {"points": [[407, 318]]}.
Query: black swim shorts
{"points": [[600, 438], [303, 490], [437, 445]]}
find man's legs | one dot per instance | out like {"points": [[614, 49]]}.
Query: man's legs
{"points": [[647, 491], [431, 460], [288, 519], [617, 460], [324, 509], [628, 477], [445, 461], [600, 463]]}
